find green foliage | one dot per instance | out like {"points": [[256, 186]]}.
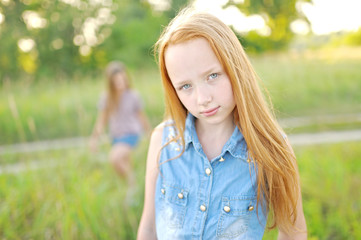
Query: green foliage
{"points": [[330, 176], [346, 39], [278, 15], [353, 38], [133, 35], [254, 43], [312, 82], [72, 38]]}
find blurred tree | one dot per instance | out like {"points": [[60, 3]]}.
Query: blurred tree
{"points": [[352, 38], [175, 6], [12, 28], [277, 14], [133, 34], [60, 38]]}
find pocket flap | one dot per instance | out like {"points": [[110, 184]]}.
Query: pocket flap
{"points": [[239, 205], [174, 194]]}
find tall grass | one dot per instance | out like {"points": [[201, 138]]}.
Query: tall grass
{"points": [[317, 82], [79, 196], [299, 84], [48, 110]]}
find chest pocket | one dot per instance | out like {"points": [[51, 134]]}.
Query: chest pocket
{"points": [[173, 208], [235, 216]]}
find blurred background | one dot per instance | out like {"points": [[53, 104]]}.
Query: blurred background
{"points": [[52, 57]]}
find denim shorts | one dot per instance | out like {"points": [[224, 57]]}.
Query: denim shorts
{"points": [[131, 139]]}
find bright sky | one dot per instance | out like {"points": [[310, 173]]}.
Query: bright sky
{"points": [[326, 16]]}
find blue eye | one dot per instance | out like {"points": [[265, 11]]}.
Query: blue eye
{"points": [[213, 76], [185, 86]]}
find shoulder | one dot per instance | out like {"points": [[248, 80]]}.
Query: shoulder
{"points": [[158, 132], [155, 146], [132, 93], [133, 96]]}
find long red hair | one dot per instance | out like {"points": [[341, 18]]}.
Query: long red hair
{"points": [[277, 176]]}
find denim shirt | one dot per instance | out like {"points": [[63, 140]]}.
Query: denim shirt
{"points": [[197, 198]]}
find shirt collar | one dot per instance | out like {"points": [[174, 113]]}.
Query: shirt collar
{"points": [[236, 144], [190, 131]]}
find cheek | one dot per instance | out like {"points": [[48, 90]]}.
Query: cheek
{"points": [[227, 86], [185, 99]]}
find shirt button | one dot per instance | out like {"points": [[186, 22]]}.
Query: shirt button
{"points": [[163, 191], [202, 208], [222, 159], [208, 171], [180, 195], [250, 208], [227, 209]]}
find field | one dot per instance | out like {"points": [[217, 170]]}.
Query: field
{"points": [[72, 194], [300, 84]]}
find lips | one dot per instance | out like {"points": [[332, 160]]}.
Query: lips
{"points": [[210, 112]]}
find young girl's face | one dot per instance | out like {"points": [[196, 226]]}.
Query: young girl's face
{"points": [[119, 81], [200, 81]]}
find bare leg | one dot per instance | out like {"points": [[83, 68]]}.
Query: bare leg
{"points": [[119, 157]]}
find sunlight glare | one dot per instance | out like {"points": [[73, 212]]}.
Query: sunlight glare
{"points": [[33, 20], [326, 16], [2, 18], [26, 44], [232, 16], [333, 15]]}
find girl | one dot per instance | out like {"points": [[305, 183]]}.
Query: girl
{"points": [[121, 109], [219, 164]]}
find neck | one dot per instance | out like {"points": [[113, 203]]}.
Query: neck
{"points": [[204, 128], [213, 137]]}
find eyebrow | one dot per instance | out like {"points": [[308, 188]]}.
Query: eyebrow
{"points": [[212, 69], [181, 83]]}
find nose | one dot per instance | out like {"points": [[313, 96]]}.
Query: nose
{"points": [[204, 96]]}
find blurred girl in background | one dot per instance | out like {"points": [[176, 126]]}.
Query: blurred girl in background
{"points": [[121, 109]]}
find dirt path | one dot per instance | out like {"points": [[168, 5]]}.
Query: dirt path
{"points": [[295, 139], [294, 122]]}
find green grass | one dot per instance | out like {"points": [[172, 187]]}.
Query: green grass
{"points": [[331, 179], [323, 127], [75, 197], [48, 110], [304, 85], [80, 197], [299, 84]]}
